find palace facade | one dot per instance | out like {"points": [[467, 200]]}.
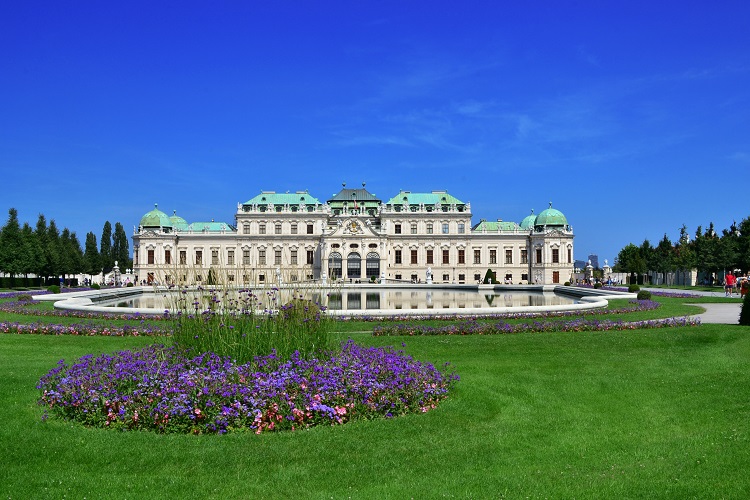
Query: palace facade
{"points": [[355, 237]]}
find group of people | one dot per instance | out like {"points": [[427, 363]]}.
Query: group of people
{"points": [[732, 282]]}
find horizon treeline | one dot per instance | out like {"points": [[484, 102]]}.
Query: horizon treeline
{"points": [[45, 251], [708, 252]]}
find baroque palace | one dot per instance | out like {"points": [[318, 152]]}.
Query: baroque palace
{"points": [[355, 237]]}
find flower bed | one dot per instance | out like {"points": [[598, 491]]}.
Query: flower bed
{"points": [[157, 388], [82, 329], [578, 325]]}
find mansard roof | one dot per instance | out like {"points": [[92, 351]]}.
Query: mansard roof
{"points": [[433, 198], [349, 194], [494, 226], [274, 198]]}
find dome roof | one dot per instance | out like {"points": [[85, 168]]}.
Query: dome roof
{"points": [[528, 221], [155, 218], [551, 217], [178, 222]]}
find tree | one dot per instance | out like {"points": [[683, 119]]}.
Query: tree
{"points": [[10, 245], [77, 253], [664, 258], [66, 254], [743, 247], [53, 249], [630, 260], [120, 248], [42, 240], [105, 248], [29, 250], [91, 262]]}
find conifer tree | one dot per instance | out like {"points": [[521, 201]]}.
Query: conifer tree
{"points": [[120, 249], [53, 249], [91, 261], [10, 244], [42, 267], [105, 248]]}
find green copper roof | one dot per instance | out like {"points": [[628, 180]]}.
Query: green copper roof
{"points": [[494, 226], [551, 217], [178, 222], [266, 197], [155, 218], [210, 227], [528, 221], [433, 198]]}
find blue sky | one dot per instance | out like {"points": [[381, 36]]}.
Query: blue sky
{"points": [[632, 118]]}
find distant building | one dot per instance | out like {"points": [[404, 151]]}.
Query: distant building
{"points": [[594, 260], [353, 236]]}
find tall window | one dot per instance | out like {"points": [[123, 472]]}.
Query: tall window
{"points": [[397, 228], [150, 257], [508, 256], [310, 257], [309, 229], [294, 228], [413, 229], [556, 255], [477, 256], [214, 257], [167, 256], [445, 228], [261, 228], [493, 256], [277, 257], [183, 257], [413, 256], [372, 265], [277, 228], [293, 257], [429, 228], [429, 256], [230, 257], [524, 256], [397, 254], [261, 257], [461, 228], [446, 256], [199, 257], [334, 265], [354, 265], [245, 228], [538, 255], [570, 255], [246, 257], [461, 256]]}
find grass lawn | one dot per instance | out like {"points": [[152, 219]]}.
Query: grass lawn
{"points": [[651, 413]]}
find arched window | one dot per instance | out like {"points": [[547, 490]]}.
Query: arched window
{"points": [[372, 265], [354, 265], [334, 265]]}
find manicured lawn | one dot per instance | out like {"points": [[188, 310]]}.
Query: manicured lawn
{"points": [[652, 413]]}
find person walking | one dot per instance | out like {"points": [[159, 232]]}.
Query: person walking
{"points": [[729, 282]]}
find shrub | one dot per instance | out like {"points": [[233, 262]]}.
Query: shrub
{"points": [[567, 283], [129, 285], [243, 326], [633, 288], [53, 289], [745, 311], [644, 295], [24, 298], [95, 286], [597, 285]]}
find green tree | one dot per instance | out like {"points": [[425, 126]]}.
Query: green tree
{"points": [[91, 261], [743, 245], [105, 248], [54, 249], [29, 250], [43, 265], [664, 258], [10, 244], [120, 248]]}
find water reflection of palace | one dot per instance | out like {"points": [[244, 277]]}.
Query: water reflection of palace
{"points": [[353, 237]]}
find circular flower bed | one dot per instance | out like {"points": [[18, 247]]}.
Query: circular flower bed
{"points": [[158, 388]]}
